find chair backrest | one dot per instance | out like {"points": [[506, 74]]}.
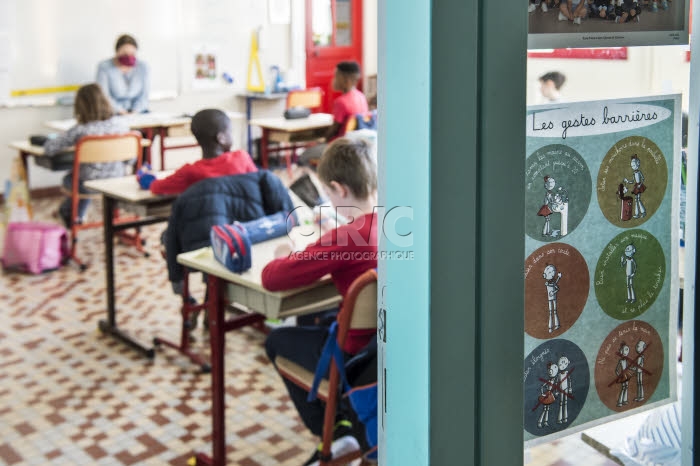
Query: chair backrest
{"points": [[109, 148], [308, 98], [359, 306], [367, 120]]}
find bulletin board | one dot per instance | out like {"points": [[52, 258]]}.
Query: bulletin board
{"points": [[601, 262], [52, 45]]}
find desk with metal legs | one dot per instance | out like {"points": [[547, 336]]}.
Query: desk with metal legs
{"points": [[246, 289], [151, 209]]}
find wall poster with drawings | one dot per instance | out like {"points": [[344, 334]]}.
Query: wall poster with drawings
{"points": [[601, 262]]}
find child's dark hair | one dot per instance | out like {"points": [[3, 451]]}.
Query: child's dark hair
{"points": [[91, 104], [349, 162], [125, 39], [556, 77], [207, 124], [350, 70]]}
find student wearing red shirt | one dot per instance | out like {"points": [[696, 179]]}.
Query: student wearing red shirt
{"points": [[214, 132], [349, 175], [350, 103]]}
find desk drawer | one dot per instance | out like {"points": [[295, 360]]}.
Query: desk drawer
{"points": [[305, 302], [299, 136]]}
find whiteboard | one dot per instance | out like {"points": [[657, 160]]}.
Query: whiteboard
{"points": [[54, 43]]}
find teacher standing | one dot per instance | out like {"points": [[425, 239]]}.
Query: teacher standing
{"points": [[124, 79]]}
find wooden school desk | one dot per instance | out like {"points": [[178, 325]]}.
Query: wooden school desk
{"points": [[151, 208], [246, 289], [300, 130], [251, 97], [27, 150], [152, 125]]}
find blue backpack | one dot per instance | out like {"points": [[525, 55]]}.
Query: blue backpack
{"points": [[363, 399]]}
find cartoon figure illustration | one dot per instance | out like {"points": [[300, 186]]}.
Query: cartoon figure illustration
{"points": [[639, 369], [565, 390], [625, 203], [560, 205], [546, 211], [550, 271], [623, 374], [548, 394], [627, 261], [638, 181], [554, 203]]}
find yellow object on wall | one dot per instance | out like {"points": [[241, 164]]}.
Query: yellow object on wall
{"points": [[254, 62]]}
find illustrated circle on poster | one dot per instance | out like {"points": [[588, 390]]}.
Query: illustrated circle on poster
{"points": [[632, 181], [629, 366], [557, 192], [630, 274], [556, 379], [557, 284]]}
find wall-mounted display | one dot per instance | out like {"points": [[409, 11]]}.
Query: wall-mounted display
{"points": [[601, 261], [557, 24]]}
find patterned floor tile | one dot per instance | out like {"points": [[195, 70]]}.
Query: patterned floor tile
{"points": [[72, 396]]}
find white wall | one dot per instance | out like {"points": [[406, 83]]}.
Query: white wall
{"points": [[647, 71], [283, 45]]}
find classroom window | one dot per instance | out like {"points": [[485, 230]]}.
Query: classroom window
{"points": [[322, 22]]}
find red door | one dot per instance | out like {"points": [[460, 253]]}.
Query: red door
{"points": [[333, 34]]}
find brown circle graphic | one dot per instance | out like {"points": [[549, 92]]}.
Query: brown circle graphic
{"points": [[632, 181], [629, 366], [556, 289]]}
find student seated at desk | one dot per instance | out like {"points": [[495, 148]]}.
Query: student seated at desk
{"points": [[353, 101], [94, 115], [214, 133], [349, 175]]}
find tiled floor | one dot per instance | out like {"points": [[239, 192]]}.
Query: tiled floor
{"points": [[72, 396]]}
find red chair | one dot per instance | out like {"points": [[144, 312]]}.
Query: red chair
{"points": [[359, 311], [312, 99], [101, 149]]}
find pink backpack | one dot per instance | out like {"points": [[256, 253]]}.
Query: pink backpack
{"points": [[35, 246]]}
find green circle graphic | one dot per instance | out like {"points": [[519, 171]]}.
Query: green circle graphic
{"points": [[630, 274], [620, 198], [555, 209]]}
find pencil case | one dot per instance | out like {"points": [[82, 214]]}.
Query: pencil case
{"points": [[296, 113], [269, 227], [231, 247]]}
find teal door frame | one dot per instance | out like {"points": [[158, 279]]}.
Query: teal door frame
{"points": [[452, 105]]}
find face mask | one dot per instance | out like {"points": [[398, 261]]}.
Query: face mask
{"points": [[127, 60]]}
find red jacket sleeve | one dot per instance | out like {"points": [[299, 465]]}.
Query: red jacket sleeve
{"points": [[176, 183], [301, 268]]}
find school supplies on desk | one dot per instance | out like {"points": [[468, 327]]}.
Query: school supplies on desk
{"points": [[145, 177], [231, 247], [269, 227], [232, 244]]}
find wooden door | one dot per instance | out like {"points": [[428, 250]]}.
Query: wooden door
{"points": [[333, 34]]}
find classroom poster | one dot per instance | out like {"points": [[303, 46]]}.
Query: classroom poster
{"points": [[601, 262], [554, 24]]}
